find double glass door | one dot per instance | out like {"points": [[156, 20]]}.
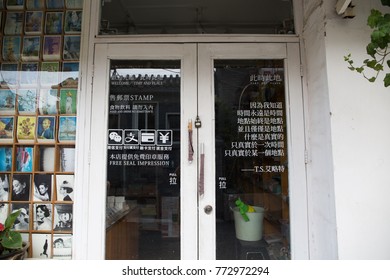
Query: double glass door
{"points": [[190, 132]]}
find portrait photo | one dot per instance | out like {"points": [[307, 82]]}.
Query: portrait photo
{"points": [[43, 216], [43, 185], [65, 187], [22, 222], [4, 187], [21, 184]]}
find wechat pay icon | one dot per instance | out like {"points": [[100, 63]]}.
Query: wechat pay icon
{"points": [[115, 137]]}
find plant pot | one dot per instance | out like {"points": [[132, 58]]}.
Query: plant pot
{"points": [[19, 254]]}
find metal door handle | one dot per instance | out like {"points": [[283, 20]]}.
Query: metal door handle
{"points": [[208, 209]]}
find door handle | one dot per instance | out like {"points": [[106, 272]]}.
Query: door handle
{"points": [[208, 209]]}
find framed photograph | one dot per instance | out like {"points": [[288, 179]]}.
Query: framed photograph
{"points": [[67, 159], [70, 74], [68, 101], [34, 22], [49, 73], [43, 216], [67, 128], [41, 246], [29, 73], [46, 158], [24, 159], [25, 129], [9, 75], [52, 47], [63, 217], [15, 4], [21, 184], [47, 103], [14, 23], [3, 212], [65, 187], [31, 48], [43, 187], [35, 4], [7, 129], [11, 48], [27, 101], [54, 22], [54, 4], [4, 187], [7, 101], [46, 129], [22, 222], [73, 21], [62, 246], [71, 47], [5, 158]]}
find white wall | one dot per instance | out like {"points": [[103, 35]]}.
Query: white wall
{"points": [[359, 116]]}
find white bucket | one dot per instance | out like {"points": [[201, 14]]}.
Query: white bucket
{"points": [[251, 230]]}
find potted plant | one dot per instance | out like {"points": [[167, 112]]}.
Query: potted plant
{"points": [[11, 245]]}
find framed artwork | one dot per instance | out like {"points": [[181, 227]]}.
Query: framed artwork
{"points": [[27, 101], [15, 4], [7, 101], [11, 48], [22, 222], [4, 187], [14, 23], [62, 246], [67, 128], [49, 73], [31, 48], [63, 217], [68, 101], [35, 4], [54, 4], [29, 73], [46, 158], [34, 22], [24, 159], [54, 22], [73, 21], [21, 184], [41, 246], [65, 187], [70, 74], [67, 156], [25, 130], [7, 129], [46, 129], [43, 216], [43, 187], [5, 158], [9, 74], [47, 103], [52, 47], [71, 48]]}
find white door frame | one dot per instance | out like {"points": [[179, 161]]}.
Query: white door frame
{"points": [[93, 209]]}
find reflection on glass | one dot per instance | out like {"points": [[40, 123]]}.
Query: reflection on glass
{"points": [[251, 163], [143, 176]]}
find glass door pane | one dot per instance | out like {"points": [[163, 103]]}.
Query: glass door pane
{"points": [[143, 160], [251, 160]]}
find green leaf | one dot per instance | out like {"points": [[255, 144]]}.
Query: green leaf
{"points": [[371, 49], [386, 80], [374, 18], [359, 69], [9, 222], [372, 79], [12, 240], [371, 63]]}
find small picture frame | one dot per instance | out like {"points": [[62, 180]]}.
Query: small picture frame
{"points": [[22, 222], [49, 74], [29, 73], [24, 159], [34, 22], [52, 47], [47, 103], [27, 101], [71, 47], [54, 22], [63, 217], [46, 129], [7, 124], [73, 21], [43, 216], [14, 23], [68, 101], [4, 187], [25, 130], [31, 48], [65, 187], [43, 187], [54, 4], [41, 245], [5, 158], [46, 158], [67, 159], [7, 101], [62, 246], [21, 184], [67, 129], [11, 48]]}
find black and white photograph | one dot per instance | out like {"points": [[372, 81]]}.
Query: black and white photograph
{"points": [[22, 222], [21, 184], [41, 246], [71, 47], [73, 21], [33, 22], [53, 24], [46, 158], [4, 187], [63, 217], [3, 212], [31, 48], [65, 187], [43, 216], [62, 246], [43, 186], [14, 23]]}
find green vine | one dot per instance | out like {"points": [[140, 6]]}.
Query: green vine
{"points": [[378, 49]]}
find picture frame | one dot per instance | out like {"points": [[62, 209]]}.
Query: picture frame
{"points": [[41, 245], [24, 159], [27, 101], [43, 187], [21, 184], [29, 73], [73, 22], [46, 158], [68, 101], [43, 216], [46, 129], [14, 23], [54, 4], [5, 158], [31, 48], [70, 74], [11, 48], [52, 47], [34, 22], [4, 187], [7, 124], [63, 217], [49, 74], [7, 101], [26, 127], [35, 4], [67, 128], [62, 246], [15, 4], [54, 22], [22, 222], [71, 47], [47, 102], [9, 75], [65, 187], [67, 159]]}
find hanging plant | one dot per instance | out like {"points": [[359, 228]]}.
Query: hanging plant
{"points": [[377, 49]]}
